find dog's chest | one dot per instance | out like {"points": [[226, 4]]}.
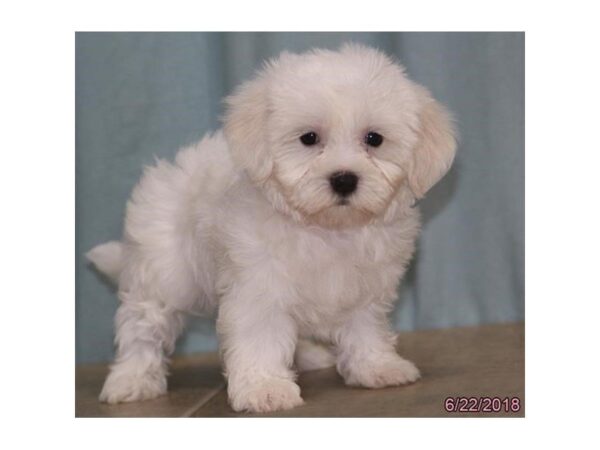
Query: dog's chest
{"points": [[334, 275]]}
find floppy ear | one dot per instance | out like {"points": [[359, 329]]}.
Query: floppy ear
{"points": [[245, 129], [436, 146]]}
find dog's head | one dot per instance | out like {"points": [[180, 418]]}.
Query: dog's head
{"points": [[336, 138]]}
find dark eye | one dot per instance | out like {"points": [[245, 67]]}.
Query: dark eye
{"points": [[310, 138], [373, 139]]}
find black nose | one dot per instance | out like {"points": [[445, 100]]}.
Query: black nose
{"points": [[343, 183]]}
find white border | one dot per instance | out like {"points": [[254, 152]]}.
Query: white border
{"points": [[38, 222]]}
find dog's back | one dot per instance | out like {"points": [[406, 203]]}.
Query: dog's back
{"points": [[168, 227]]}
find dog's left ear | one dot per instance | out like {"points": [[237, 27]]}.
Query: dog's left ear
{"points": [[436, 146], [245, 129]]}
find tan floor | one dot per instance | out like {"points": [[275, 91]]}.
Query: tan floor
{"points": [[485, 361]]}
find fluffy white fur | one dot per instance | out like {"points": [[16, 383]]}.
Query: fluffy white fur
{"points": [[245, 224]]}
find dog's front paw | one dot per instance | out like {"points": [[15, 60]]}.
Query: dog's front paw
{"points": [[130, 387], [266, 395], [392, 371]]}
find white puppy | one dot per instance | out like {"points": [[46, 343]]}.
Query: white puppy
{"points": [[294, 225]]}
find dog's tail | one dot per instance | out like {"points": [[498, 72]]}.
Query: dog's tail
{"points": [[108, 259]]}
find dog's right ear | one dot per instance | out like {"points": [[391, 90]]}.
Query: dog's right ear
{"points": [[245, 129]]}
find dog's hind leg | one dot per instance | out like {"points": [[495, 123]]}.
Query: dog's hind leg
{"points": [[145, 335], [311, 355]]}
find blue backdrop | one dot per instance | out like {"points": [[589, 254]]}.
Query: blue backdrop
{"points": [[141, 95]]}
